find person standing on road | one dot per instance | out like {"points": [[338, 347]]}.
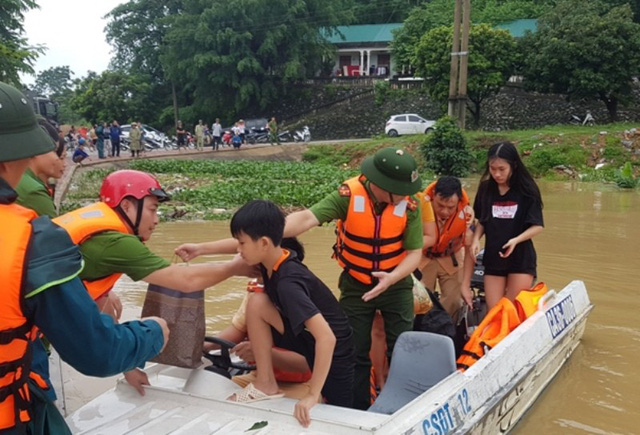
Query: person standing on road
{"points": [[115, 133], [199, 130], [135, 136], [216, 132], [100, 141], [181, 134], [242, 131], [272, 126], [41, 292], [106, 135]]}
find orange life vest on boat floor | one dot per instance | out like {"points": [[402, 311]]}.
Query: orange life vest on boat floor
{"points": [[527, 300], [451, 238], [497, 324], [368, 242], [84, 223], [16, 331]]}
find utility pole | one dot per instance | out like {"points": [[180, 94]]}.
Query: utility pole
{"points": [[459, 62], [455, 49]]}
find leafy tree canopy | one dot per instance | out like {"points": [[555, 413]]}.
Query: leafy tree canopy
{"points": [[491, 62], [231, 54], [383, 11], [16, 55], [440, 13], [584, 50], [54, 82], [114, 95], [136, 31]]}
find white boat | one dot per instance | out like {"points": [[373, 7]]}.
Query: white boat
{"points": [[490, 397]]}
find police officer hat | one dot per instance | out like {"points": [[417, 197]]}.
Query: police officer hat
{"points": [[20, 134], [393, 170]]}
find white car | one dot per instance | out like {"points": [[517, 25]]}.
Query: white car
{"points": [[408, 123]]}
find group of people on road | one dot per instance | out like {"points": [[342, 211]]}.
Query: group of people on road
{"points": [[384, 233], [215, 136]]}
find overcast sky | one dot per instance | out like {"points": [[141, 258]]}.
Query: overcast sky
{"points": [[73, 31]]}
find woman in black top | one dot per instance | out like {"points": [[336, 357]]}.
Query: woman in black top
{"points": [[508, 207]]}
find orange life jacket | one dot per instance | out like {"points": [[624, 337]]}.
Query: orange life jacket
{"points": [[451, 237], [86, 222], [16, 331], [497, 324], [527, 300], [368, 242]]}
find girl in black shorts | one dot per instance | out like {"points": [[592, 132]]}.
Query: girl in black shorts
{"points": [[508, 207]]}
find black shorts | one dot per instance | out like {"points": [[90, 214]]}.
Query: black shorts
{"points": [[338, 387], [504, 272]]}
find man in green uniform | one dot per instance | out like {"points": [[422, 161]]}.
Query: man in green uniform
{"points": [[111, 235], [377, 200], [33, 191], [40, 288]]}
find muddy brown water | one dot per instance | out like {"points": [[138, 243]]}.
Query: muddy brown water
{"points": [[592, 234]]}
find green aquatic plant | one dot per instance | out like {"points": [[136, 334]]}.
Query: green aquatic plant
{"points": [[625, 177]]}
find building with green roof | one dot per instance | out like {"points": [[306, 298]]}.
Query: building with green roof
{"points": [[364, 49]]}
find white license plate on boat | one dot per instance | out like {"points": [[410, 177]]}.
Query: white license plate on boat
{"points": [[560, 316], [448, 416]]}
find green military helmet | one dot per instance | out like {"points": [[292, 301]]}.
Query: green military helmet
{"points": [[20, 134], [393, 170]]}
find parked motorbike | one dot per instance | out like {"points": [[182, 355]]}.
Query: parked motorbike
{"points": [[588, 119], [303, 135]]}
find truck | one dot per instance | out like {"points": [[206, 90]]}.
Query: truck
{"points": [[44, 107]]}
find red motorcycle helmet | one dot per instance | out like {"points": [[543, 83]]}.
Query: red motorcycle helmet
{"points": [[122, 184]]}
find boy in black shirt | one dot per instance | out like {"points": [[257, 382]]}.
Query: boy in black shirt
{"points": [[296, 312]]}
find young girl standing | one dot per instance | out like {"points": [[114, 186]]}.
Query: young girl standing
{"points": [[508, 206]]}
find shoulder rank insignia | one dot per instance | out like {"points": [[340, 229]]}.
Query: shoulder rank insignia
{"points": [[412, 204], [344, 190]]}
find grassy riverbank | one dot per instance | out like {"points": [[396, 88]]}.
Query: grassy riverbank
{"points": [[213, 189], [555, 152]]}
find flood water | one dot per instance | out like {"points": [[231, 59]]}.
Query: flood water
{"points": [[592, 234]]}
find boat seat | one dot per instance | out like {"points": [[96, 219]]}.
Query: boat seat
{"points": [[420, 360]]}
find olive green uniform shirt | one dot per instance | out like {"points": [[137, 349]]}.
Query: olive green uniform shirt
{"points": [[335, 206], [34, 194], [114, 252]]}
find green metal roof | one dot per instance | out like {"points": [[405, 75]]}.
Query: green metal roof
{"points": [[364, 33], [517, 28], [383, 32]]}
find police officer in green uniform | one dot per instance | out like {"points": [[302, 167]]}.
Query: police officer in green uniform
{"points": [[387, 179], [40, 289]]}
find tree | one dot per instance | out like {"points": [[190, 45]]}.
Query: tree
{"points": [[233, 54], [445, 150], [16, 55], [492, 57], [113, 95], [438, 13], [383, 11], [584, 50], [137, 31], [54, 82]]}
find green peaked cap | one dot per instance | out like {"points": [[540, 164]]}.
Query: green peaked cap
{"points": [[20, 134], [393, 170]]}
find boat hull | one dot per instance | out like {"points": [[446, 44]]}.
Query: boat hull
{"points": [[490, 397]]}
